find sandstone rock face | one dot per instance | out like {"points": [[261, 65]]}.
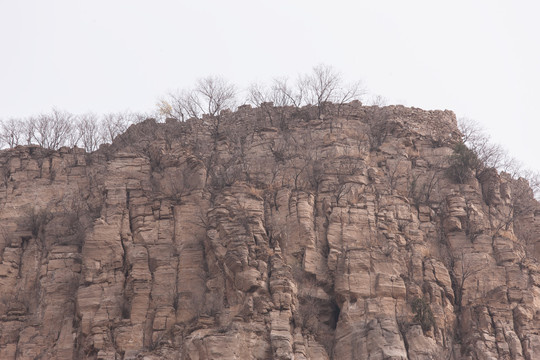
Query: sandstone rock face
{"points": [[266, 234]]}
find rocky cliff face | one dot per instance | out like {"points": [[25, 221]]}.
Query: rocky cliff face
{"points": [[266, 234]]}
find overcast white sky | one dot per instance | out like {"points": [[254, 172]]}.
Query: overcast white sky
{"points": [[480, 59]]}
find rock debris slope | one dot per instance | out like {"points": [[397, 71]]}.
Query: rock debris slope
{"points": [[267, 233]]}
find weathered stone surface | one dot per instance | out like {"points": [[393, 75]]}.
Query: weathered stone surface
{"points": [[268, 237]]}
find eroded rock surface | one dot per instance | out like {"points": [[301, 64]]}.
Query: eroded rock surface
{"points": [[266, 234]]}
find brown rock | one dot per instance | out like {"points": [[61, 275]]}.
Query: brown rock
{"points": [[303, 241]]}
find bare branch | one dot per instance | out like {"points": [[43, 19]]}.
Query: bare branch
{"points": [[53, 130], [490, 155], [114, 124], [12, 132], [215, 94], [286, 94], [325, 85], [88, 129]]}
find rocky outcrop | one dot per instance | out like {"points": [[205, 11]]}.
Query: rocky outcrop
{"points": [[267, 233]]}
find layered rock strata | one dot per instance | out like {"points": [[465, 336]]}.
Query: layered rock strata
{"points": [[267, 233]]}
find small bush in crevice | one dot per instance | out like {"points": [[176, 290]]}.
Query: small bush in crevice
{"points": [[423, 314], [380, 127], [38, 219], [462, 163]]}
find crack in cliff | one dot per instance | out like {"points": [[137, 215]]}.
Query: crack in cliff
{"points": [[519, 333], [494, 328], [402, 329]]}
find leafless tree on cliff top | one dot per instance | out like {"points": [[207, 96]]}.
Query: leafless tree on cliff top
{"points": [[58, 128], [11, 132], [215, 94], [325, 85], [272, 100], [276, 93], [378, 100], [89, 131], [54, 130], [114, 124], [322, 86], [291, 94], [490, 155], [210, 96], [177, 106]]}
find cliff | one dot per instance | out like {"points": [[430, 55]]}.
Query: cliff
{"points": [[267, 234]]}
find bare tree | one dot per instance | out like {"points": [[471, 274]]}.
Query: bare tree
{"points": [[61, 128], [88, 128], [12, 132], [289, 95], [523, 194], [380, 127], [259, 94], [378, 100], [423, 184], [325, 85], [533, 178], [214, 94], [522, 204], [322, 86], [53, 130], [272, 99], [395, 172], [114, 124], [490, 155], [28, 129], [349, 92], [462, 271], [180, 105], [210, 96]]}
